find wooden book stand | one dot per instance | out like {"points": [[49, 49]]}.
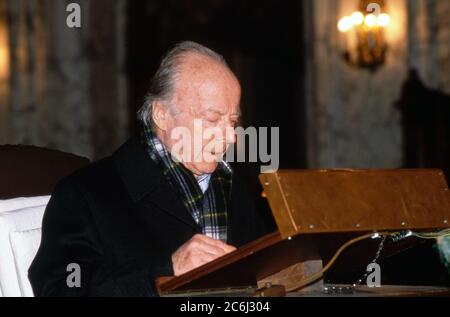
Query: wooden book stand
{"points": [[318, 210]]}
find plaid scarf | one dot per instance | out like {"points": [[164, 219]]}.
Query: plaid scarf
{"points": [[209, 209]]}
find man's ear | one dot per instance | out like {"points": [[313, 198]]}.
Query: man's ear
{"points": [[159, 115]]}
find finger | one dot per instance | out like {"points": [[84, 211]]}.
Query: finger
{"points": [[205, 240], [191, 260], [217, 243], [206, 247], [206, 257], [201, 259]]}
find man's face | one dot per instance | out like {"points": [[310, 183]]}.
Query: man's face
{"points": [[206, 102]]}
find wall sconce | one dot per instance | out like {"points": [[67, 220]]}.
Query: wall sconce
{"points": [[362, 35]]}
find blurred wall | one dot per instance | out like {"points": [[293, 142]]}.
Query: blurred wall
{"points": [[351, 117], [67, 88]]}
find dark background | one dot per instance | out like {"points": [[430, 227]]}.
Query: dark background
{"points": [[267, 58]]}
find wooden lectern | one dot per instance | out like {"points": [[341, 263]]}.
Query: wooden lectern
{"points": [[316, 212]]}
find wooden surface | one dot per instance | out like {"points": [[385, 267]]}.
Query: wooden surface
{"points": [[269, 255], [295, 273], [245, 266], [324, 201], [317, 212]]}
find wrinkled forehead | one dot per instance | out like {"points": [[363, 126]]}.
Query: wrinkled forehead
{"points": [[203, 82]]}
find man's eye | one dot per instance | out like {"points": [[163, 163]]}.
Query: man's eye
{"points": [[212, 119]]}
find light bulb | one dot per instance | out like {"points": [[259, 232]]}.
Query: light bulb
{"points": [[345, 24], [370, 20], [357, 18], [384, 20]]}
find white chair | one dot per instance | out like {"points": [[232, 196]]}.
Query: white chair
{"points": [[20, 236], [26, 171], [22, 202]]}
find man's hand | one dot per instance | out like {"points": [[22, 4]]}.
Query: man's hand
{"points": [[199, 250]]}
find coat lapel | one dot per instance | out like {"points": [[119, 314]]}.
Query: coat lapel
{"points": [[146, 184]]}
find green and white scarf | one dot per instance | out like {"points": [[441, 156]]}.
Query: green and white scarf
{"points": [[210, 209]]}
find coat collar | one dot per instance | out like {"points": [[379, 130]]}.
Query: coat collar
{"points": [[139, 173], [145, 182]]}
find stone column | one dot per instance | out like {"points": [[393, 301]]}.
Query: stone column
{"points": [[68, 75], [108, 84]]}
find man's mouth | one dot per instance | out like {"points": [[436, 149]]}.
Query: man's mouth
{"points": [[216, 155]]}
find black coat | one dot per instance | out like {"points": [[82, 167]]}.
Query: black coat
{"points": [[120, 221]]}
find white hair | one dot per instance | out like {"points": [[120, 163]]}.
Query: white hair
{"points": [[162, 84]]}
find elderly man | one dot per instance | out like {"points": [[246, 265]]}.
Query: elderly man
{"points": [[159, 206]]}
